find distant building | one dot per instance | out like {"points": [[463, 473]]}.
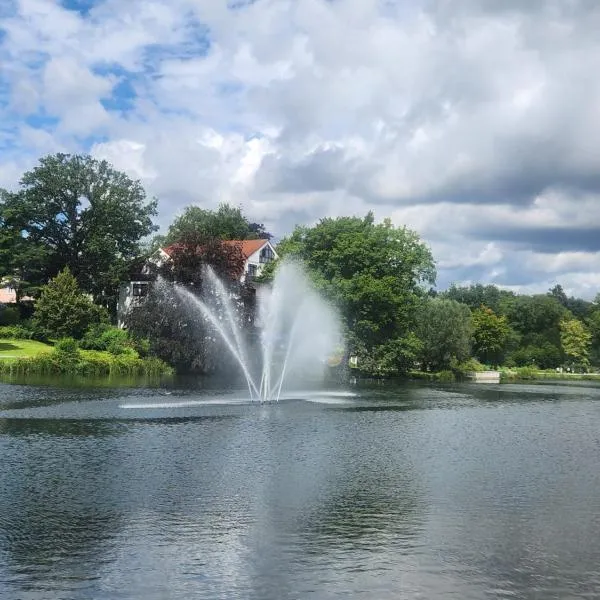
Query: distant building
{"points": [[257, 253]]}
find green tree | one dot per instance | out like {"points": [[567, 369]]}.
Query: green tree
{"points": [[226, 223], [63, 310], [491, 335], [76, 212], [374, 273], [577, 306], [576, 340], [593, 324], [534, 316], [477, 295], [445, 328]]}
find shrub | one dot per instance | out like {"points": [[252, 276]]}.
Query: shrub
{"points": [[66, 353], [15, 332], [526, 373], [9, 315], [63, 310], [67, 359], [102, 336], [445, 377]]}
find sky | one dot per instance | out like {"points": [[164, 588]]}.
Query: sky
{"points": [[474, 122]]}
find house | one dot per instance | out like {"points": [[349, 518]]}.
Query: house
{"points": [[257, 253]]}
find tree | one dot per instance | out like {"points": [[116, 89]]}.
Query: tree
{"points": [[537, 315], [593, 324], [577, 306], [169, 318], [575, 340], [226, 223], [477, 295], [374, 273], [445, 328], [63, 310], [491, 335], [75, 212]]}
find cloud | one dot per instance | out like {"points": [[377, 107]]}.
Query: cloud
{"points": [[475, 122]]}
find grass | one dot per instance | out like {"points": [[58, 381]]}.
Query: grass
{"points": [[13, 348]]}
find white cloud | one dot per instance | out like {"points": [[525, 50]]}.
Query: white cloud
{"points": [[476, 123]]}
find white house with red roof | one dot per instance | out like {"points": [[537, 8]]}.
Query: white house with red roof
{"points": [[257, 253]]}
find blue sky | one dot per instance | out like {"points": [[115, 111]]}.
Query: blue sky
{"points": [[475, 123]]}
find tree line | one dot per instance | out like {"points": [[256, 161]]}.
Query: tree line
{"points": [[80, 218]]}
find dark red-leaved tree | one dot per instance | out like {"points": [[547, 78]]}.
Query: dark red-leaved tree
{"points": [[175, 328]]}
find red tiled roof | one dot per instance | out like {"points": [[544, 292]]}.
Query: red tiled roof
{"points": [[248, 247]]}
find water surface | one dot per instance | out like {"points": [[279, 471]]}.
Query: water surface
{"points": [[359, 492]]}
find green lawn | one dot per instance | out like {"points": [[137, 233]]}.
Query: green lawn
{"points": [[10, 348]]}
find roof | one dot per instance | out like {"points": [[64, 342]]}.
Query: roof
{"points": [[7, 295], [248, 247]]}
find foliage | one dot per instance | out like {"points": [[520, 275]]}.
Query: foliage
{"points": [[372, 272], [537, 315], [9, 315], [521, 373], [395, 357], [16, 332], [73, 361], [225, 223], [477, 295], [468, 366], [543, 355], [491, 335], [445, 328], [576, 306], [173, 335], [66, 353], [189, 257], [62, 310], [575, 340], [75, 212]]}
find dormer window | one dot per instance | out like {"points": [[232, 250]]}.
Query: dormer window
{"points": [[266, 254]]}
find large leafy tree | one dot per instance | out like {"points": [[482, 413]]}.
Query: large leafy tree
{"points": [[77, 212], [374, 272], [491, 335], [226, 223], [576, 341], [445, 329]]}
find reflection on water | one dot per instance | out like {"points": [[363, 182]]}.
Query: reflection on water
{"points": [[383, 492]]}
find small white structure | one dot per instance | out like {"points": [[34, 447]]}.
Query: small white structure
{"points": [[257, 253], [484, 376]]}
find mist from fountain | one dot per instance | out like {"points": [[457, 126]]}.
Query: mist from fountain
{"points": [[298, 329]]}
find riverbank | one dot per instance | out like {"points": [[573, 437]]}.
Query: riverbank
{"points": [[29, 357]]}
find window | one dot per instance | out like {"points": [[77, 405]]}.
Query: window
{"points": [[251, 271], [266, 255], [139, 289]]}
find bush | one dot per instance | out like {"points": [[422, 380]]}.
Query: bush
{"points": [[66, 353], [64, 311], [9, 315], [15, 332], [468, 366], [66, 358], [445, 377], [102, 336]]}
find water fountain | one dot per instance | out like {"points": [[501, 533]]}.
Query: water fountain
{"points": [[298, 329]]}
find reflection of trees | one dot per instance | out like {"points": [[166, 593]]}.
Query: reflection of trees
{"points": [[58, 506], [60, 427]]}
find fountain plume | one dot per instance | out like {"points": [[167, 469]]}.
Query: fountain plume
{"points": [[298, 330]]}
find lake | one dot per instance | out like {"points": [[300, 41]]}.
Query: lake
{"points": [[365, 491]]}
